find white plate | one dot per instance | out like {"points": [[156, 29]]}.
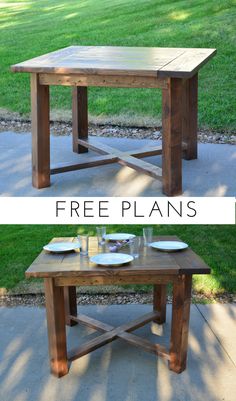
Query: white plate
{"points": [[169, 246], [59, 247], [118, 237], [111, 259]]}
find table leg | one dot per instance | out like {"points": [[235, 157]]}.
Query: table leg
{"points": [[159, 302], [172, 137], [189, 129], [70, 304], [180, 323], [40, 133], [56, 328], [79, 117]]}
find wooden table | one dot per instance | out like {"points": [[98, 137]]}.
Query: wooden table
{"points": [[63, 272], [173, 70]]}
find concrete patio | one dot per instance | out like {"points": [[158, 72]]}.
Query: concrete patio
{"points": [[118, 371], [212, 174]]}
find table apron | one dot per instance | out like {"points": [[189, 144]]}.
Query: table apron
{"points": [[104, 80], [115, 280]]}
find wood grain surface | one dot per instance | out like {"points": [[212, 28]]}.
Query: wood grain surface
{"points": [[172, 137], [112, 81], [189, 117], [151, 265], [159, 302], [125, 335], [54, 298], [40, 133], [109, 60], [180, 323], [79, 117]]}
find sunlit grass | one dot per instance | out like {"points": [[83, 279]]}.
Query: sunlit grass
{"points": [[31, 28], [20, 244], [180, 16]]}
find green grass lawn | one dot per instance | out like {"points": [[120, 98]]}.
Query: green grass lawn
{"points": [[20, 244], [29, 28]]}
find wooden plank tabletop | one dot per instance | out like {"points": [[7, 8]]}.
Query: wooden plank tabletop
{"points": [[109, 60], [150, 262]]}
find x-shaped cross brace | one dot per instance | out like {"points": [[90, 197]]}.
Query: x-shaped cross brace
{"points": [[111, 155], [111, 333]]}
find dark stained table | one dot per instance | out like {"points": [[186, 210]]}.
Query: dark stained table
{"points": [[63, 272], [173, 70]]}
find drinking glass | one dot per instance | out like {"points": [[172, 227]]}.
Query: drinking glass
{"points": [[147, 235], [101, 231], [83, 239], [134, 246]]}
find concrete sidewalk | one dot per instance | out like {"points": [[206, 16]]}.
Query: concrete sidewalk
{"points": [[212, 174], [118, 371]]}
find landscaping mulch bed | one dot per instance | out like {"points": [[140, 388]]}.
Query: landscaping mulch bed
{"points": [[65, 128], [108, 299]]}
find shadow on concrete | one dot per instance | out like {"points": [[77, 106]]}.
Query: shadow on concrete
{"points": [[212, 174], [116, 371]]}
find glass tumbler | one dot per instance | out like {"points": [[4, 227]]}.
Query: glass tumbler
{"points": [[84, 240], [134, 246], [147, 235], [101, 231]]}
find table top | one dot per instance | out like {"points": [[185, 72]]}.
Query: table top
{"points": [[150, 261], [109, 60]]}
